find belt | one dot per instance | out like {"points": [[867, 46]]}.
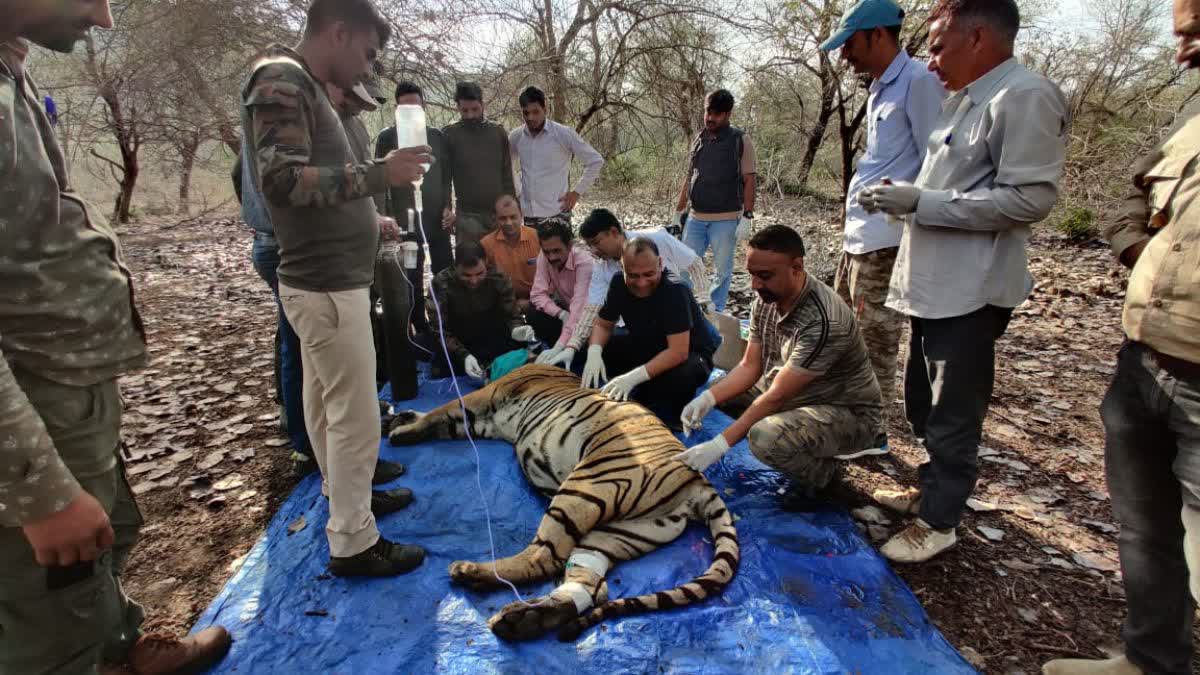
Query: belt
{"points": [[1181, 369]]}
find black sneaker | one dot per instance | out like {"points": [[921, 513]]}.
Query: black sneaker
{"points": [[384, 559], [302, 465], [386, 472], [384, 502]]}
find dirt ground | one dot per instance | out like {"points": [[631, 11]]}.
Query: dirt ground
{"points": [[1035, 575]]}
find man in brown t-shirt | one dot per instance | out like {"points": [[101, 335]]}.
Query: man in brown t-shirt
{"points": [[804, 392]]}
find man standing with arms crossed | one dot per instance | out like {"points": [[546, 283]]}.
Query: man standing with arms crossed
{"points": [[328, 232], [992, 170], [68, 330], [902, 107], [545, 149], [1151, 412]]}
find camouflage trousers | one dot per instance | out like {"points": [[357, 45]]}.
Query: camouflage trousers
{"points": [[804, 442], [862, 281]]}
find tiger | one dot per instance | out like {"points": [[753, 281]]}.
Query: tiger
{"points": [[616, 493]]}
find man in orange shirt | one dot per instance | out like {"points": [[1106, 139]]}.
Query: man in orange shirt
{"points": [[512, 248]]}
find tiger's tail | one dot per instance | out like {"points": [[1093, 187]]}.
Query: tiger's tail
{"points": [[726, 555]]}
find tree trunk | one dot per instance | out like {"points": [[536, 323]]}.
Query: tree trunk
{"points": [[188, 149], [816, 135]]}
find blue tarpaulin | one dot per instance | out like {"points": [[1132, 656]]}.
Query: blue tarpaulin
{"points": [[810, 597]]}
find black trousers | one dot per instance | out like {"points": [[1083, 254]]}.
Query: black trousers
{"points": [[546, 327], [947, 388], [397, 353], [667, 394]]}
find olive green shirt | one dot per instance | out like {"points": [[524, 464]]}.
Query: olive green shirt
{"points": [[66, 312]]}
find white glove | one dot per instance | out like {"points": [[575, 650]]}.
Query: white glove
{"points": [[695, 412], [563, 358], [523, 334], [563, 315], [897, 200], [620, 387], [473, 368], [593, 371], [745, 227], [548, 356], [702, 456]]}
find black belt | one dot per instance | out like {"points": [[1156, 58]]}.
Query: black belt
{"points": [[1179, 368]]}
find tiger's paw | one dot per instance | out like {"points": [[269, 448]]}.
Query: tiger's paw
{"points": [[474, 576], [520, 621], [402, 427]]}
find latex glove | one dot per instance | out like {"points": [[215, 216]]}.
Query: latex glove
{"points": [[897, 200], [695, 412], [564, 358], [702, 456], [523, 334], [745, 228], [619, 388], [548, 356], [593, 370], [563, 315], [473, 368]]}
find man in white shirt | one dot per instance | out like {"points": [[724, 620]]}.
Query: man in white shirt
{"points": [[545, 149], [902, 107], [606, 238], [991, 171]]}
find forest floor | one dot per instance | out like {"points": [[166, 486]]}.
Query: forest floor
{"points": [[1034, 576]]}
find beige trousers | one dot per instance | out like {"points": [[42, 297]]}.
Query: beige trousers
{"points": [[340, 406]]}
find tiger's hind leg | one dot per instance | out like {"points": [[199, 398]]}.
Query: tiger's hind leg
{"points": [[584, 587]]}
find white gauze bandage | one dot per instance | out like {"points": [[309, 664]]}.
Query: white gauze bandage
{"points": [[579, 594]]}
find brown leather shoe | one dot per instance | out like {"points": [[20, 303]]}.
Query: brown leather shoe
{"points": [[158, 654]]}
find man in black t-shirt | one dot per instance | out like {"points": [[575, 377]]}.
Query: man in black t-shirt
{"points": [[667, 350]]}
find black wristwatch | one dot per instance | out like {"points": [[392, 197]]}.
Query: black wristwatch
{"points": [[748, 214]]}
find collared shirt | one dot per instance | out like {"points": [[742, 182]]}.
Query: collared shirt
{"points": [[991, 171], [819, 336], [66, 311], [545, 160], [677, 259], [470, 315], [902, 107], [554, 288], [517, 260], [1162, 303]]}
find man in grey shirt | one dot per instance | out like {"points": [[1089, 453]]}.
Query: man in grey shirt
{"points": [[991, 171]]}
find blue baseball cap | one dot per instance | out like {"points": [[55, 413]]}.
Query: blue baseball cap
{"points": [[864, 15]]}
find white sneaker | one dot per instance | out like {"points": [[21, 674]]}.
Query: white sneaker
{"points": [[879, 447], [917, 543], [1117, 666], [906, 501]]}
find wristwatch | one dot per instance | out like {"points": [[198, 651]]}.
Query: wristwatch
{"points": [[748, 214]]}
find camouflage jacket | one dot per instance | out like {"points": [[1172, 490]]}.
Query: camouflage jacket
{"points": [[471, 313], [67, 311]]}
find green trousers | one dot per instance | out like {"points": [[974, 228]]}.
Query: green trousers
{"points": [[68, 620]]}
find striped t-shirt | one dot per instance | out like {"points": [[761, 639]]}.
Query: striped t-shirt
{"points": [[819, 336]]}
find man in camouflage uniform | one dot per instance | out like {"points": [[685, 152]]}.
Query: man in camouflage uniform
{"points": [[473, 308], [320, 201], [68, 329], [1151, 411], [902, 107], [804, 392]]}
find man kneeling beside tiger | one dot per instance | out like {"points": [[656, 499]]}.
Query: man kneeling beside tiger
{"points": [[616, 493]]}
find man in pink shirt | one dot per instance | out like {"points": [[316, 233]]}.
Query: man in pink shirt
{"points": [[560, 289]]}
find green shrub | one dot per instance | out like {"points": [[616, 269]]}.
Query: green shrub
{"points": [[1078, 223]]}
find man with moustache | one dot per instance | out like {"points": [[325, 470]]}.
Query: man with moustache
{"points": [[804, 393], [560, 291], [902, 107], [68, 330], [1151, 411], [991, 171]]}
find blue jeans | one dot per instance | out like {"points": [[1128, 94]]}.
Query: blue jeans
{"points": [[265, 255], [722, 236]]}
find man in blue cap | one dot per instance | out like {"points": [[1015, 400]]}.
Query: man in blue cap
{"points": [[902, 107]]}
